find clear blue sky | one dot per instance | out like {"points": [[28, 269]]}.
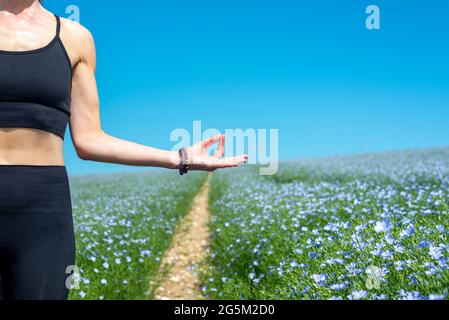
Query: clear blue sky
{"points": [[308, 68]]}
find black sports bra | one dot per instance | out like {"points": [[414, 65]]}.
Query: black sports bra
{"points": [[35, 87]]}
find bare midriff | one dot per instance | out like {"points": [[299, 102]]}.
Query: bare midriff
{"points": [[22, 146]]}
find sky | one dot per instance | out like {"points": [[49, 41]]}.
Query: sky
{"points": [[310, 69]]}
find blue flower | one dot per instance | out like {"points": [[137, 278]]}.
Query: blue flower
{"points": [[320, 279], [382, 226], [435, 252], [407, 232], [358, 295]]}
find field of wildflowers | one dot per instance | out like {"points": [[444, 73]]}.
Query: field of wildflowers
{"points": [[373, 226], [124, 223]]}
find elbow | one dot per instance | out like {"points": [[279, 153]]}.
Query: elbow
{"points": [[85, 147], [83, 152]]}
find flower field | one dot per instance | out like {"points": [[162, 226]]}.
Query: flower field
{"points": [[123, 225], [373, 226]]}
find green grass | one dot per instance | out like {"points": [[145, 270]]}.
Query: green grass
{"points": [[309, 232], [123, 224]]}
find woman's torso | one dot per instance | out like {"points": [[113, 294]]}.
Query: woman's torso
{"points": [[22, 41]]}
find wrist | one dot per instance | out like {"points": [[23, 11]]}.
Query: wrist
{"points": [[174, 160]]}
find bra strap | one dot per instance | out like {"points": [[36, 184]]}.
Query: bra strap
{"points": [[58, 25]]}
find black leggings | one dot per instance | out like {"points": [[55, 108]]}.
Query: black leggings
{"points": [[37, 244]]}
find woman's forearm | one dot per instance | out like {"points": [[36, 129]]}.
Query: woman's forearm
{"points": [[102, 147]]}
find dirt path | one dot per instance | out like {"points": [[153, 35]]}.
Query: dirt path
{"points": [[190, 245]]}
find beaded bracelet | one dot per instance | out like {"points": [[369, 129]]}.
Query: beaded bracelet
{"points": [[184, 165]]}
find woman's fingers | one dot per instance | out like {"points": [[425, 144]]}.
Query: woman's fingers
{"points": [[238, 159], [229, 162], [212, 163], [205, 162], [220, 150], [208, 142], [224, 164]]}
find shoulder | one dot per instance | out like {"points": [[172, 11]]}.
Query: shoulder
{"points": [[78, 40], [76, 31]]}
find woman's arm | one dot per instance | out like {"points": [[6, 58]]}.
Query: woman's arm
{"points": [[92, 143]]}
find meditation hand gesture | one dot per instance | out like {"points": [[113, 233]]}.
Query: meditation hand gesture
{"points": [[199, 158]]}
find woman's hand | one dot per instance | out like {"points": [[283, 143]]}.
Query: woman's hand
{"points": [[200, 159]]}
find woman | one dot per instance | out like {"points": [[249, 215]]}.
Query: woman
{"points": [[47, 81]]}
